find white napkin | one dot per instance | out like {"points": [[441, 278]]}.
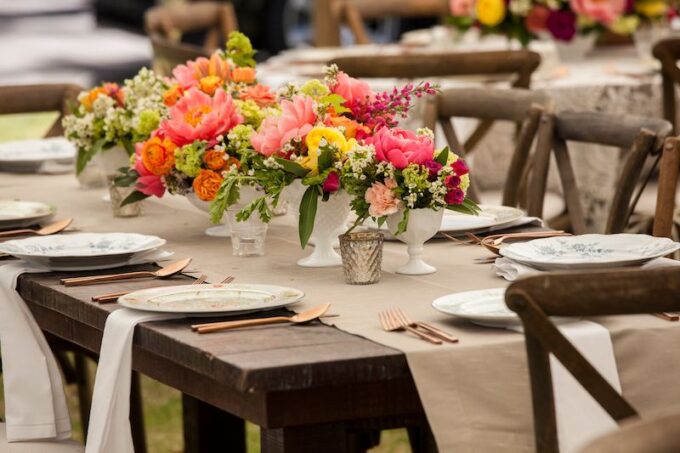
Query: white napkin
{"points": [[35, 404], [109, 428], [512, 270]]}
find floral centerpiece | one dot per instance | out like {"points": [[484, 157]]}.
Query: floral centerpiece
{"points": [[110, 116], [305, 145], [213, 106]]}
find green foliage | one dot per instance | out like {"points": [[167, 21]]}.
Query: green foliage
{"points": [[292, 167], [403, 223], [127, 177], [468, 207], [228, 194], [134, 197], [308, 207], [260, 205], [336, 101], [240, 50], [443, 156], [86, 155]]}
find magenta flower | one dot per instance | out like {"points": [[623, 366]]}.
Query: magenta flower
{"points": [[455, 196], [433, 168], [452, 181], [562, 24], [460, 167], [401, 147], [332, 182]]}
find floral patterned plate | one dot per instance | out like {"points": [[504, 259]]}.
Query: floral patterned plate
{"points": [[212, 299], [20, 214], [590, 251]]}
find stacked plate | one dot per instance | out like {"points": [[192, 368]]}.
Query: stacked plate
{"points": [[484, 307], [82, 251], [212, 299], [29, 156], [20, 214]]}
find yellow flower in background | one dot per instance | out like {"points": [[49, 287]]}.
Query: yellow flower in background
{"points": [[490, 12], [333, 137], [625, 25], [651, 8]]}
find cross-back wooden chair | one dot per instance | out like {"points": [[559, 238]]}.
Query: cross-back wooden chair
{"points": [[353, 13], [641, 136], [664, 217], [166, 25], [659, 435], [667, 51], [523, 107], [40, 98], [597, 293]]}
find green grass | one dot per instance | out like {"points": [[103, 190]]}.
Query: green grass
{"points": [[162, 404]]}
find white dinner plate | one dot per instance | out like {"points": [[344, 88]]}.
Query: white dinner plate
{"points": [[20, 214], [589, 251], [212, 299], [484, 307], [82, 251], [27, 156]]}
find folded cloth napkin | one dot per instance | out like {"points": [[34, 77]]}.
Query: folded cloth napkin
{"points": [[109, 428], [512, 270], [35, 404]]}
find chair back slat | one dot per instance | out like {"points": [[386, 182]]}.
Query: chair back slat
{"points": [[668, 184], [667, 51]]}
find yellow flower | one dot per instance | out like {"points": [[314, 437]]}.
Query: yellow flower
{"points": [[652, 8], [625, 25], [333, 137], [490, 12]]}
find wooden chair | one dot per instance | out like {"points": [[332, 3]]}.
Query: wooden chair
{"points": [[595, 293], [660, 435], [642, 137], [166, 25], [354, 12], [518, 106], [664, 223], [667, 51]]}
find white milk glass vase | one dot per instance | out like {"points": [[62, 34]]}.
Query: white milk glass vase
{"points": [[223, 230], [329, 223], [422, 225]]}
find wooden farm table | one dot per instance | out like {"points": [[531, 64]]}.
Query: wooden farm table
{"points": [[319, 388]]}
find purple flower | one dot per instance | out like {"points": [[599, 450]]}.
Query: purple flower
{"points": [[562, 24], [460, 167], [433, 168], [455, 196]]}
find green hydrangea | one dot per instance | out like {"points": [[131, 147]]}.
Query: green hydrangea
{"points": [[188, 158], [239, 137], [240, 50], [416, 178], [147, 122], [315, 88], [252, 113]]}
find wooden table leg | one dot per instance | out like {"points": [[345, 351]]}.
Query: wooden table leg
{"points": [[208, 429], [329, 438]]}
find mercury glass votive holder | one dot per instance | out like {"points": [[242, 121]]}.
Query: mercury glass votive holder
{"points": [[361, 257], [118, 194]]}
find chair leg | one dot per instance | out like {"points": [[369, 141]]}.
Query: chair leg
{"points": [[137, 415], [422, 439], [84, 388]]}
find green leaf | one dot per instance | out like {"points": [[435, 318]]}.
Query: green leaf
{"points": [[227, 195], [443, 156], [292, 167], [129, 147], [403, 224], [467, 207], [134, 197], [325, 158], [336, 101], [307, 214], [84, 156]]}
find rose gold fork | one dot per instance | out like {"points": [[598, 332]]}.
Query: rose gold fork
{"points": [[112, 297], [390, 324], [401, 316]]}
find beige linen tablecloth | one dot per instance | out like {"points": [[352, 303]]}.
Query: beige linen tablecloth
{"points": [[476, 394]]}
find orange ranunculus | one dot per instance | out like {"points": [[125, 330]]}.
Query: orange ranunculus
{"points": [[209, 84], [244, 74], [260, 94], [350, 126], [206, 184], [111, 90], [158, 155], [172, 95], [233, 161], [215, 160]]}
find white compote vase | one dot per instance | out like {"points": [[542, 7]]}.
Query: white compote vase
{"points": [[329, 223], [223, 230], [422, 225]]}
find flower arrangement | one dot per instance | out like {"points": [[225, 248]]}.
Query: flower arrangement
{"points": [[400, 170], [309, 140], [213, 106], [526, 20], [110, 115]]}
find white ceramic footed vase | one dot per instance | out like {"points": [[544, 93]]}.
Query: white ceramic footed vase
{"points": [[422, 225], [223, 230]]}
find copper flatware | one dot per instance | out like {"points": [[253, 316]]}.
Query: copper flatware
{"points": [[47, 230], [164, 272], [391, 324], [405, 320], [493, 243], [668, 316], [112, 297], [300, 318]]}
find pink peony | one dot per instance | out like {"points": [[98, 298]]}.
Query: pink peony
{"points": [[197, 116], [351, 89], [604, 11], [189, 75], [401, 147], [296, 120], [381, 199], [147, 183], [461, 8]]}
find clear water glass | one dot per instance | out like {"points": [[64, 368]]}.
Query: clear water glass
{"points": [[247, 237]]}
